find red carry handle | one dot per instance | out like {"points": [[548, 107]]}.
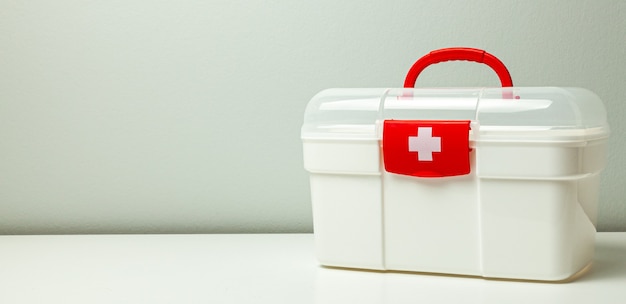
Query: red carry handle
{"points": [[453, 54]]}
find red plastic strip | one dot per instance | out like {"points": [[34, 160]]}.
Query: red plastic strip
{"points": [[453, 54]]}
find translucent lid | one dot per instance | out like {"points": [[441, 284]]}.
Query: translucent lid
{"points": [[531, 112]]}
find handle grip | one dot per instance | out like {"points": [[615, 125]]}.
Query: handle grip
{"points": [[453, 54]]}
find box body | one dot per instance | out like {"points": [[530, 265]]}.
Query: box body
{"points": [[526, 210]]}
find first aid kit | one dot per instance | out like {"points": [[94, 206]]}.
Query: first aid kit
{"points": [[491, 182]]}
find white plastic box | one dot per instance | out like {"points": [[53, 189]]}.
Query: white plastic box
{"points": [[525, 210]]}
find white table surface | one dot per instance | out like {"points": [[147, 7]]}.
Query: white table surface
{"points": [[261, 268]]}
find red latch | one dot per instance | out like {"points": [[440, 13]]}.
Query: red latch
{"points": [[426, 148]]}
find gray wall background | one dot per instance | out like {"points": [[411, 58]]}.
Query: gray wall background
{"points": [[184, 116]]}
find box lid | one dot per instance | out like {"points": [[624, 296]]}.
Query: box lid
{"points": [[496, 114]]}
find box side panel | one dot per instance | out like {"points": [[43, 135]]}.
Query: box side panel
{"points": [[346, 198], [432, 224], [342, 156], [347, 219], [589, 195], [583, 239], [521, 160], [531, 229], [594, 156]]}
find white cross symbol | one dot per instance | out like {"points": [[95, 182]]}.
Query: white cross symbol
{"points": [[424, 144]]}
